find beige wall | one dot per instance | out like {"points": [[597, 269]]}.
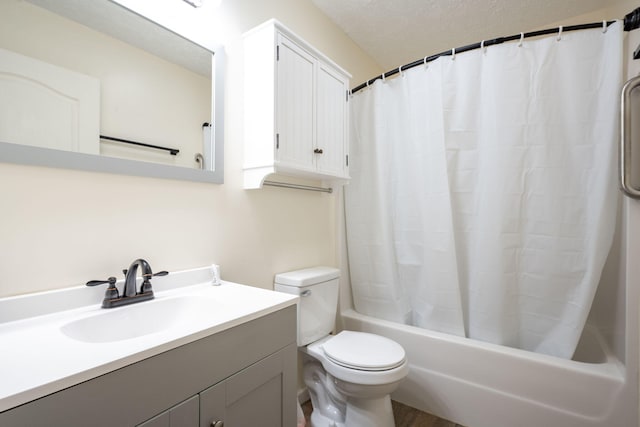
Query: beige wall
{"points": [[62, 228]]}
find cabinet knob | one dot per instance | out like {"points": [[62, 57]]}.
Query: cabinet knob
{"points": [[218, 423], [318, 151]]}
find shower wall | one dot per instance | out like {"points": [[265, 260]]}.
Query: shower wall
{"points": [[609, 311]]}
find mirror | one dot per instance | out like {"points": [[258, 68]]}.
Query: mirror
{"points": [[83, 83]]}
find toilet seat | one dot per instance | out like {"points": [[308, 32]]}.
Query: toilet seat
{"points": [[363, 351]]}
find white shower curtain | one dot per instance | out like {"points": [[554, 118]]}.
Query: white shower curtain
{"points": [[483, 197]]}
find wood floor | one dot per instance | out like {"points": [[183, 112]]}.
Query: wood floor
{"points": [[405, 416]]}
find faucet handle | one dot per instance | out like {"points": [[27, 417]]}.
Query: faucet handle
{"points": [[160, 273], [111, 281], [150, 275], [146, 284], [111, 292]]}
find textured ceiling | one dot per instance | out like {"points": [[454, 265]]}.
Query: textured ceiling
{"points": [[396, 32]]}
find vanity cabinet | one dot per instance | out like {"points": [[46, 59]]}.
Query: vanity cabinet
{"points": [[245, 375], [295, 109]]}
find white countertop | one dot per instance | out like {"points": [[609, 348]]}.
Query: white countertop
{"points": [[37, 358]]}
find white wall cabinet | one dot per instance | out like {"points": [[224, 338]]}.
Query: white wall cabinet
{"points": [[295, 105]]}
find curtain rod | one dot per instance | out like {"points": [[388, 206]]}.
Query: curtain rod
{"points": [[631, 21]]}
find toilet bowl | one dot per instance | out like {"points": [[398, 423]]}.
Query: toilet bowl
{"points": [[363, 370], [349, 375]]}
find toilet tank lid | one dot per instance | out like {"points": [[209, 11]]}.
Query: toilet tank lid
{"points": [[307, 276]]}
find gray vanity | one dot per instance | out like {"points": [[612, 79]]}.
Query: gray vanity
{"points": [[243, 376], [237, 368]]}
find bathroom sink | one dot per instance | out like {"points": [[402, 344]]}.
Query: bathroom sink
{"points": [[83, 341], [141, 319]]}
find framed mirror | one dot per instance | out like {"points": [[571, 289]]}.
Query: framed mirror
{"points": [[92, 85]]}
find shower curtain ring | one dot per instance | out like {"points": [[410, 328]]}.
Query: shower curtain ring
{"points": [[560, 33], [400, 71], [426, 65], [453, 53], [482, 47], [384, 80], [521, 39], [604, 27]]}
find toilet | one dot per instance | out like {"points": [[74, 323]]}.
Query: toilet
{"points": [[349, 375]]}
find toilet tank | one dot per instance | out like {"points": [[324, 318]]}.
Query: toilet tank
{"points": [[317, 288]]}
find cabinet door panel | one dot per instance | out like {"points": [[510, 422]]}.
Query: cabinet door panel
{"points": [[263, 394], [160, 420], [185, 414], [331, 121], [260, 388], [261, 406], [294, 108], [212, 405]]}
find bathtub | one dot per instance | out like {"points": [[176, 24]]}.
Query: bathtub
{"points": [[479, 384]]}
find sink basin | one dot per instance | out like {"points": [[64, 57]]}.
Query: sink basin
{"points": [[140, 319]]}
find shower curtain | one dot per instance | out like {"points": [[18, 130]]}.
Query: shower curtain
{"points": [[483, 196]]}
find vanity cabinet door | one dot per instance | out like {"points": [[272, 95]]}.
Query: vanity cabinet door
{"points": [[262, 394], [160, 420], [212, 405], [185, 414]]}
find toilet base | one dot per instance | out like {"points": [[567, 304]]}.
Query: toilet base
{"points": [[369, 412], [329, 405], [319, 420], [360, 413]]}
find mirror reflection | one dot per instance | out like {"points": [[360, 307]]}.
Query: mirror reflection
{"points": [[93, 77]]}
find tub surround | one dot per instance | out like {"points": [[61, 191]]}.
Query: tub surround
{"points": [[39, 358]]}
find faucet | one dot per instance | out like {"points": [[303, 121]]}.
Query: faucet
{"points": [[112, 297], [129, 289]]}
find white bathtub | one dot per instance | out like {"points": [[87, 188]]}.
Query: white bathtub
{"points": [[478, 384]]}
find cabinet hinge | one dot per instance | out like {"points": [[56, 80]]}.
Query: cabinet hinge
{"points": [[347, 160], [277, 141], [278, 53]]}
